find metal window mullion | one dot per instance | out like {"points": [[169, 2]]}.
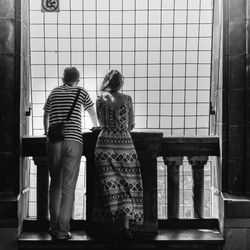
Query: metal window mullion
{"points": [[70, 33], [211, 58], [83, 71], [109, 25], [57, 44], [122, 41], [185, 79], [196, 116], [96, 57], [147, 63], [172, 108], [160, 64], [135, 26], [31, 87], [44, 54]]}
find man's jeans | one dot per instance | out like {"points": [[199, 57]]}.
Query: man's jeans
{"points": [[64, 162]]}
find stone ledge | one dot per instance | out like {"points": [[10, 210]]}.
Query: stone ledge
{"points": [[237, 223], [9, 223], [9, 207], [195, 238], [236, 206]]}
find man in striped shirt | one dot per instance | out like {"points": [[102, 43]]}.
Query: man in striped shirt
{"points": [[65, 156]]}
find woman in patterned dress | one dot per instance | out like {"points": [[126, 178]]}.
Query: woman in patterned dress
{"points": [[118, 168]]}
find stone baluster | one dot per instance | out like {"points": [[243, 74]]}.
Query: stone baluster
{"points": [[42, 187], [198, 163], [173, 171]]}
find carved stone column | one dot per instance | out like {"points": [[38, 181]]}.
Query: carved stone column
{"points": [[198, 163], [173, 170], [42, 187]]}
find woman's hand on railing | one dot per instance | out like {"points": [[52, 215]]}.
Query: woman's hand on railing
{"points": [[96, 129]]}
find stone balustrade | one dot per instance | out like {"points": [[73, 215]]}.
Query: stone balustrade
{"points": [[149, 146]]}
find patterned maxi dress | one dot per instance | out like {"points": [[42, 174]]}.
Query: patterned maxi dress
{"points": [[119, 175]]}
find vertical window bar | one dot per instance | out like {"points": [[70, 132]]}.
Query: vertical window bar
{"points": [[70, 32], [83, 61], [31, 85], [211, 56], [109, 26], [44, 55], [147, 76], [134, 51], [160, 63], [185, 78], [57, 48], [122, 39], [173, 50], [96, 40], [197, 82]]}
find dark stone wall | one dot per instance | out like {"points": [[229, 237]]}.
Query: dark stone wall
{"points": [[234, 57], [13, 85], [231, 99], [8, 99], [14, 75], [247, 94], [230, 93]]}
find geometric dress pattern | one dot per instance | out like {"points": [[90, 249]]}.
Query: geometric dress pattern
{"points": [[119, 189]]}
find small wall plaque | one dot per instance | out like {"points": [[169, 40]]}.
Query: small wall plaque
{"points": [[50, 5]]}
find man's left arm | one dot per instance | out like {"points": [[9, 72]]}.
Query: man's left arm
{"points": [[92, 114], [45, 122]]}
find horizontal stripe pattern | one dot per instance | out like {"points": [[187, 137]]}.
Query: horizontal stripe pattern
{"points": [[58, 105]]}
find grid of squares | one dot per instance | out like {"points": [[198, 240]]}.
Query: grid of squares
{"points": [[163, 48]]}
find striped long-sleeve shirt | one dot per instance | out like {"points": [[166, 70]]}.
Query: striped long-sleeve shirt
{"points": [[58, 105]]}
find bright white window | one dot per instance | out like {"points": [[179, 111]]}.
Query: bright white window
{"points": [[163, 48]]}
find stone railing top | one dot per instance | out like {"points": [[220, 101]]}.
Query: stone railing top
{"points": [[191, 146], [146, 143]]}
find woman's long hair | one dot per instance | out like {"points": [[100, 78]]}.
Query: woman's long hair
{"points": [[112, 81]]}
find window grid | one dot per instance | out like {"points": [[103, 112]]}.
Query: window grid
{"points": [[163, 48]]}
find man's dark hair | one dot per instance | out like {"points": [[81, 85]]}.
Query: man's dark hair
{"points": [[70, 75]]}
